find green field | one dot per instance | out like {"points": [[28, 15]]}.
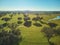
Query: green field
{"points": [[32, 35]]}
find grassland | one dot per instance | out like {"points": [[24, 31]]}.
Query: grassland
{"points": [[33, 35]]}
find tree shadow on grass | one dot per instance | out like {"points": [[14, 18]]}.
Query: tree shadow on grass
{"points": [[19, 18], [37, 24], [19, 22], [42, 22]]}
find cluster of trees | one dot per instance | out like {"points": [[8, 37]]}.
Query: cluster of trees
{"points": [[10, 37], [52, 25], [6, 19], [28, 22], [50, 32]]}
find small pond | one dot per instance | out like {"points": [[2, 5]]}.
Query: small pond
{"points": [[56, 18]]}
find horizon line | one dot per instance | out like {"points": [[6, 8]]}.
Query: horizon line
{"points": [[29, 10]]}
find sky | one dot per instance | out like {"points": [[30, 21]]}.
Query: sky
{"points": [[33, 5]]}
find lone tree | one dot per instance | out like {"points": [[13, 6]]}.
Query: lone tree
{"points": [[27, 23], [48, 33]]}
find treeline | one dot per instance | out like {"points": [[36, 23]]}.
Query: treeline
{"points": [[31, 12]]}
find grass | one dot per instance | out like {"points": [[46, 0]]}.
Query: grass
{"points": [[33, 35]]}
